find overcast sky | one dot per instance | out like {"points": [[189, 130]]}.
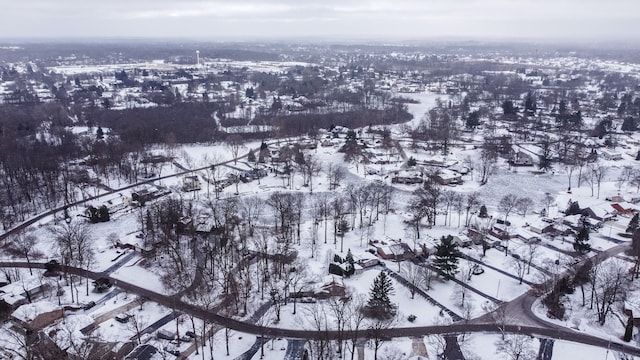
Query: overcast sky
{"points": [[323, 19]]}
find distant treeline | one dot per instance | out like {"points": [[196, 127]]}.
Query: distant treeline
{"points": [[180, 123], [297, 124]]}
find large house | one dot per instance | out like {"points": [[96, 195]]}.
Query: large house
{"points": [[519, 158], [407, 177]]}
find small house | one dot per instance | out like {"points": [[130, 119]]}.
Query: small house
{"points": [[366, 259], [448, 177], [610, 154], [407, 177], [520, 158], [191, 183], [601, 212], [462, 240], [398, 252], [37, 315], [332, 285]]}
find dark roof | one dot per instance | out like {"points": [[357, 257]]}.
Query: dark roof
{"points": [[143, 352]]}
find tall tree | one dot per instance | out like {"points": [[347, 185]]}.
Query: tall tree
{"points": [[633, 223], [447, 255], [581, 243], [379, 305]]}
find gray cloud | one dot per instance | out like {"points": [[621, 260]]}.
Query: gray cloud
{"points": [[408, 19]]}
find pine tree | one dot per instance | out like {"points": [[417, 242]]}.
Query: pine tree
{"points": [[350, 263], [251, 157], [633, 223], [581, 244], [447, 255], [483, 212], [379, 305], [628, 331]]}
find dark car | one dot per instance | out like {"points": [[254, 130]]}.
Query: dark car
{"points": [[123, 318], [477, 270], [172, 351], [89, 305]]}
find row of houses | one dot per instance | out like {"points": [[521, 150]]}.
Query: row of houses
{"points": [[443, 177]]}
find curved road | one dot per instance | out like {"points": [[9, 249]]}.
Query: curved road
{"points": [[556, 332]]}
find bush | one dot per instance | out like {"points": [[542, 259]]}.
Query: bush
{"points": [[411, 318]]}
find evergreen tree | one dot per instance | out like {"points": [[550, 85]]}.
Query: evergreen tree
{"points": [[100, 133], [530, 104], [629, 124], [628, 331], [483, 212], [350, 263], [251, 157], [508, 108], [379, 305], [581, 243], [633, 223], [411, 162], [447, 255], [573, 209]]}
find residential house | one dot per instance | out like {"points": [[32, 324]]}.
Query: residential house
{"points": [[407, 177], [37, 315], [448, 177], [610, 154], [191, 183], [624, 208], [398, 252], [520, 158], [366, 259], [332, 285], [600, 212]]}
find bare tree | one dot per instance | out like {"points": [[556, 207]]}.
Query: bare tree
{"points": [[609, 286], [335, 175], [251, 208], [309, 168], [517, 347], [377, 332], [599, 172], [320, 348], [235, 143], [507, 204], [569, 170], [136, 323], [488, 159], [532, 249], [448, 198], [472, 201], [458, 205], [74, 246], [523, 205], [415, 275], [520, 267], [25, 244]]}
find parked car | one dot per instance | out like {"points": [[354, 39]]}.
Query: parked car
{"points": [[172, 350], [89, 305], [190, 334], [477, 270], [499, 247], [185, 338], [165, 334], [123, 318]]}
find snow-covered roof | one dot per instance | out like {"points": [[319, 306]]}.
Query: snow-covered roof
{"points": [[28, 312]]}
